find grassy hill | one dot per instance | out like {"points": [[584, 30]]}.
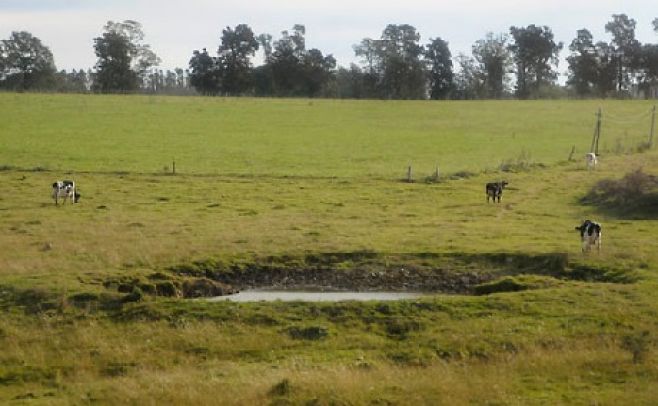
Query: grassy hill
{"points": [[283, 185]]}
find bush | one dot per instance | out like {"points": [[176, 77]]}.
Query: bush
{"points": [[166, 288], [638, 345], [636, 193], [135, 296], [308, 333]]}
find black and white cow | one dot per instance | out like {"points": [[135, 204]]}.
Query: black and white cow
{"points": [[590, 234], [65, 189], [495, 190]]}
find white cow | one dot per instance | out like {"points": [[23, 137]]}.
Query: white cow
{"points": [[590, 234], [65, 189], [591, 160]]}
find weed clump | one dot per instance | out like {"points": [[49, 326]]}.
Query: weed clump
{"points": [[308, 333], [638, 345], [281, 389], [636, 195]]}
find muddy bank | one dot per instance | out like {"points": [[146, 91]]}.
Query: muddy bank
{"points": [[365, 271]]}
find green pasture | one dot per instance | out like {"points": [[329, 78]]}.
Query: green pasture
{"points": [[275, 180], [319, 138]]}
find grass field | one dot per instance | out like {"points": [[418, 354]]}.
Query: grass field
{"points": [[259, 179]]}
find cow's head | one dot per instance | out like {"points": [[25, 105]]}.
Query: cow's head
{"points": [[504, 183]]}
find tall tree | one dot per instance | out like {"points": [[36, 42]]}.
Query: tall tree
{"points": [[393, 63], [535, 52], [469, 80], [25, 63], [627, 48], [371, 53], [404, 73], [204, 77], [494, 59], [318, 71], [286, 62], [583, 63], [237, 48], [292, 69], [649, 66], [606, 69], [441, 76], [123, 60]]}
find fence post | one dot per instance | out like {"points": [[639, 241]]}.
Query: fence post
{"points": [[653, 122], [409, 174], [173, 167], [573, 150]]}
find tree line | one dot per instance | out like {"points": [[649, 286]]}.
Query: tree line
{"points": [[519, 64]]}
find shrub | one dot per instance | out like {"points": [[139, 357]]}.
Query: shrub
{"points": [[281, 389], [638, 345], [308, 333], [636, 193], [166, 288], [135, 296]]}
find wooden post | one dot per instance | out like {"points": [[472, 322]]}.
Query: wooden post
{"points": [[598, 132], [409, 174], [173, 167], [436, 172], [573, 150], [653, 122]]}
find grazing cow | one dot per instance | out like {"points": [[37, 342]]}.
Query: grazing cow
{"points": [[63, 189], [591, 160], [590, 234], [495, 190]]}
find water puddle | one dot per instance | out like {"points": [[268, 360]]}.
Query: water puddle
{"points": [[313, 296]]}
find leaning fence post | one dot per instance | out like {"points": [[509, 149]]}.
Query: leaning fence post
{"points": [[573, 150]]}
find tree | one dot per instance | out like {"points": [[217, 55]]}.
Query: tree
{"points": [[371, 53], [291, 69], [649, 64], [204, 77], [233, 60], [469, 81], [627, 48], [404, 73], [25, 63], [286, 62], [394, 66], [73, 82], [318, 71], [439, 59], [583, 63], [349, 83], [494, 59], [655, 25], [534, 52], [123, 60], [606, 69]]}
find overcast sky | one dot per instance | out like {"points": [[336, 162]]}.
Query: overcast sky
{"points": [[175, 28]]}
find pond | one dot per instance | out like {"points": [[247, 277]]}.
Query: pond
{"points": [[257, 295]]}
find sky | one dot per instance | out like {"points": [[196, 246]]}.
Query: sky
{"points": [[174, 29]]}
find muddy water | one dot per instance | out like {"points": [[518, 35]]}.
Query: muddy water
{"points": [[313, 296]]}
